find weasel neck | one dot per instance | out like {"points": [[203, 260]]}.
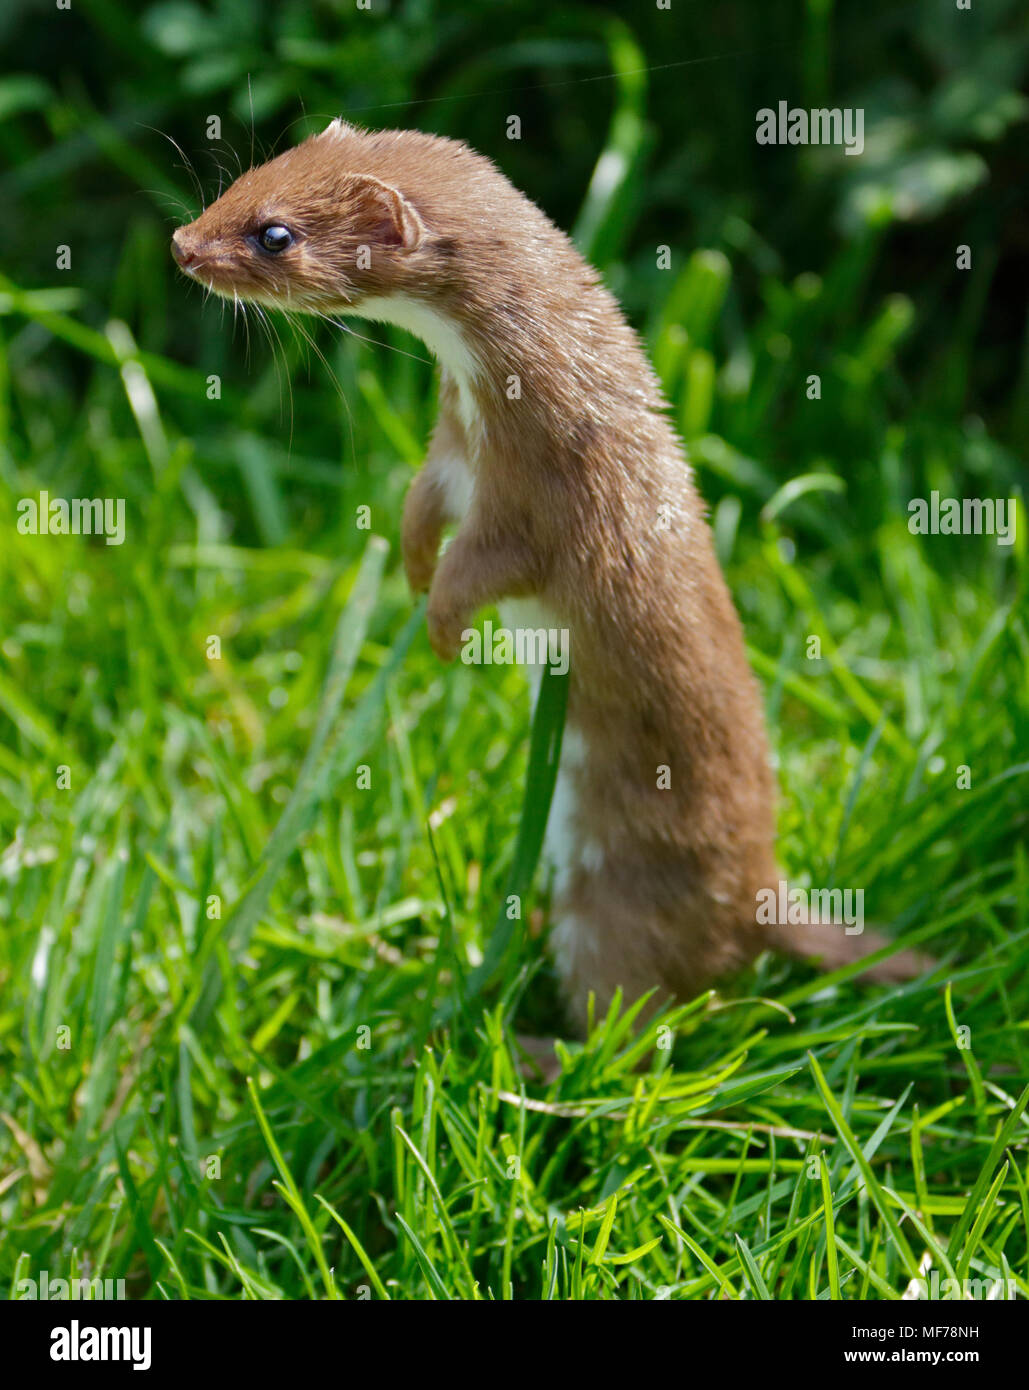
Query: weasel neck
{"points": [[500, 351]]}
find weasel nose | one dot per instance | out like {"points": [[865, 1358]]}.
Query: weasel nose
{"points": [[182, 254]]}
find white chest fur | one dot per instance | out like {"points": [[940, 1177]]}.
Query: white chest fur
{"points": [[563, 846], [441, 336]]}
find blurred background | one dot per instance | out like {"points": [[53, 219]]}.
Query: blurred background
{"points": [[889, 661], [817, 263], [637, 133]]}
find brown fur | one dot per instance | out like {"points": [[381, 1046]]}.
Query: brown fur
{"points": [[582, 498]]}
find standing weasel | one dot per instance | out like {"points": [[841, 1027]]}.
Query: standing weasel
{"points": [[554, 457]]}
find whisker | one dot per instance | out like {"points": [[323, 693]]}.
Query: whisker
{"points": [[224, 144], [253, 129], [176, 202], [239, 311], [375, 342], [298, 326], [187, 165], [223, 173], [276, 342]]}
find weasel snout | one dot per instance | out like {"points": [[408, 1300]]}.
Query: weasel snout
{"points": [[184, 255]]}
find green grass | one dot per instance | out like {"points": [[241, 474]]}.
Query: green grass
{"points": [[248, 1048]]}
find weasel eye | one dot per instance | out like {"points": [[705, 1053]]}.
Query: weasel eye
{"points": [[275, 237]]}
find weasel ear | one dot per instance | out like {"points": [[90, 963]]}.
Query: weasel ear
{"points": [[338, 127], [384, 215]]}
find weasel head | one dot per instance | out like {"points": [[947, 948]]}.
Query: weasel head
{"points": [[311, 231]]}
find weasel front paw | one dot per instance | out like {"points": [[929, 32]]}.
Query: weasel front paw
{"points": [[420, 531], [419, 566], [445, 630]]}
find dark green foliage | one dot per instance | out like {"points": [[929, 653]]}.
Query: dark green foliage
{"points": [[131, 1144]]}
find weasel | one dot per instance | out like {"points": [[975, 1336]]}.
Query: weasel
{"points": [[575, 509]]}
